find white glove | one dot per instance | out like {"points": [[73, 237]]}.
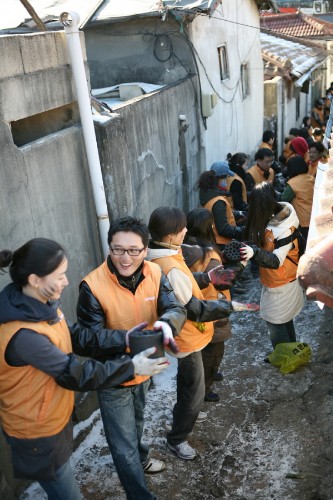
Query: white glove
{"points": [[167, 335], [246, 252], [143, 365]]}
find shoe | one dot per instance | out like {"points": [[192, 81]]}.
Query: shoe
{"points": [[218, 377], [183, 450], [202, 417], [153, 466], [212, 397]]}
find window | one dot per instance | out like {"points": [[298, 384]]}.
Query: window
{"points": [[223, 62], [245, 80]]}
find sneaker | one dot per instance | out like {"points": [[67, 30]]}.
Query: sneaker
{"points": [[212, 397], [202, 417], [183, 450], [218, 377], [153, 466]]}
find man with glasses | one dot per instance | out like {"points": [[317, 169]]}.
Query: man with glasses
{"points": [[262, 170], [124, 291]]}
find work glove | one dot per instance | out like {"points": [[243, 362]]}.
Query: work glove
{"points": [[168, 339], [220, 276], [135, 329], [240, 306], [143, 365], [246, 252]]}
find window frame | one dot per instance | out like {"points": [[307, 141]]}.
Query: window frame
{"points": [[223, 62]]}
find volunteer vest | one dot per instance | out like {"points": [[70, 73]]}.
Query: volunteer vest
{"points": [[209, 293], [230, 180], [32, 404], [190, 338], [121, 307], [273, 278], [258, 175], [221, 240], [265, 145], [303, 186]]}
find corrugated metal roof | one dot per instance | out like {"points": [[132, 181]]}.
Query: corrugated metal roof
{"points": [[282, 51]]}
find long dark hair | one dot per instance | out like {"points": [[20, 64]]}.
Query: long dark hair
{"points": [[262, 205], [208, 180], [236, 163], [166, 220], [38, 256], [200, 231]]}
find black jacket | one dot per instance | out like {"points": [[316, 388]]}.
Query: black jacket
{"points": [[91, 315], [219, 212]]}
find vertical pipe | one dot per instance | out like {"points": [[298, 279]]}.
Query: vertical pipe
{"points": [[70, 22]]}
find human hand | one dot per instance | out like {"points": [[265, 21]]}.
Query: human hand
{"points": [[135, 329], [143, 365], [168, 339], [246, 252], [220, 276], [240, 306]]}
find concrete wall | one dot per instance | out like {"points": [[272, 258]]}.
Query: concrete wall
{"points": [[148, 159]]}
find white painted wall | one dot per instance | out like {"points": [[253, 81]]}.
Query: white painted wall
{"points": [[236, 124]]}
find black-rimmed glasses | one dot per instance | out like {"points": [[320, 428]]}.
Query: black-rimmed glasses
{"points": [[133, 252]]}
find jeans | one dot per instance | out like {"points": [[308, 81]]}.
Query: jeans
{"points": [[190, 397], [285, 332], [64, 487], [122, 411]]}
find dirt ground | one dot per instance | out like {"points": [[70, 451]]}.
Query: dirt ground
{"points": [[269, 437]]}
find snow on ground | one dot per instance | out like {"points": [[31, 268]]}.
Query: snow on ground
{"points": [[261, 440]]}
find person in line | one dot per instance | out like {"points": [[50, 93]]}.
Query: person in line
{"points": [[201, 254], [318, 135], [306, 124], [299, 192], [214, 195], [167, 226], [317, 154], [270, 229], [262, 170], [39, 372], [123, 291], [317, 115], [299, 146], [268, 139], [236, 183]]}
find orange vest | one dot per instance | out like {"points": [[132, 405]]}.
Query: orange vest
{"points": [[209, 293], [303, 186], [190, 338], [320, 113], [273, 278], [32, 404], [258, 174], [121, 307], [230, 180], [221, 240], [265, 145]]}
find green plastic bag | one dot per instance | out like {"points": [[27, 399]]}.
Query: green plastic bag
{"points": [[289, 356]]}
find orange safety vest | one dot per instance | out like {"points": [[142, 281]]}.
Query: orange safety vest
{"points": [[221, 240], [32, 404], [303, 186], [273, 278], [209, 293], [123, 309], [258, 174], [265, 145], [190, 338], [230, 180]]}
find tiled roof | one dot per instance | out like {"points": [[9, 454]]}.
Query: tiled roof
{"points": [[288, 57], [297, 24]]}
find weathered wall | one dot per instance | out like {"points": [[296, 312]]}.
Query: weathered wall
{"points": [[144, 163]]}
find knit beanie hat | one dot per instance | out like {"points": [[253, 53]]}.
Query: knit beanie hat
{"points": [[299, 145]]}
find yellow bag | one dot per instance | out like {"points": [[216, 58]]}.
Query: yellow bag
{"points": [[290, 355]]}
